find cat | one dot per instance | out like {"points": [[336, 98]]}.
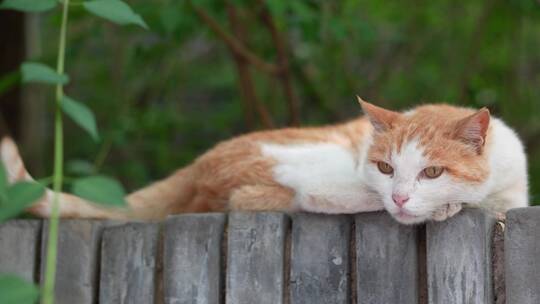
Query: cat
{"points": [[422, 164]]}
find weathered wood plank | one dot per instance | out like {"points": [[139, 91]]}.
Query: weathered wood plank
{"points": [[386, 260], [19, 248], [76, 272], [192, 256], [522, 252], [255, 258], [320, 259], [459, 259], [128, 264], [497, 264]]}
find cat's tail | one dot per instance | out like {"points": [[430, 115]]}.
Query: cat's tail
{"points": [[12, 162], [153, 202]]}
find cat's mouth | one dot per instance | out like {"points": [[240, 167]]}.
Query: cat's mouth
{"points": [[402, 214], [406, 217]]}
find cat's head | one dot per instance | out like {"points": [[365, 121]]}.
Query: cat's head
{"points": [[423, 159]]}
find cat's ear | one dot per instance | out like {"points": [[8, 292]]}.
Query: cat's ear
{"points": [[381, 119], [473, 129]]}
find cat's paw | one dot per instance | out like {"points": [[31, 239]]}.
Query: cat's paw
{"points": [[446, 211]]}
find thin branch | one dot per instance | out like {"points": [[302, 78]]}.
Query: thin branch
{"points": [[247, 88], [283, 62], [236, 46]]}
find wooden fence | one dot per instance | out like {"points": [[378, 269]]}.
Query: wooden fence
{"points": [[273, 258]]}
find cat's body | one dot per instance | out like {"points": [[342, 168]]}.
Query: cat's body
{"points": [[334, 169]]}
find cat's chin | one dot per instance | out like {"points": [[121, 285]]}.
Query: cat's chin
{"points": [[408, 219]]}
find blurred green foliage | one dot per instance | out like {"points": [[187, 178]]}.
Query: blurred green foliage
{"points": [[165, 95]]}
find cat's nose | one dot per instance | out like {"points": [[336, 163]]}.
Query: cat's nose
{"points": [[400, 199]]}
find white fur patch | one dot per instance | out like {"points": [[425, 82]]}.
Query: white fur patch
{"points": [[407, 164], [507, 186], [324, 177]]}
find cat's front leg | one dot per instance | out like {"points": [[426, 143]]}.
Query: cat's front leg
{"points": [[446, 211]]}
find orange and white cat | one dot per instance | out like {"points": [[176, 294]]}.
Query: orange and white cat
{"points": [[418, 165]]}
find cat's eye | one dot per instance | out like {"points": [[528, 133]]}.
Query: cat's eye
{"points": [[385, 168], [433, 172]]}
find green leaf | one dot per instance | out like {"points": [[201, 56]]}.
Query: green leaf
{"points": [[114, 10], [19, 197], [38, 72], [100, 189], [14, 290], [29, 5], [81, 114]]}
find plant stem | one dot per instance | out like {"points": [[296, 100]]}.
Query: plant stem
{"points": [[50, 267]]}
